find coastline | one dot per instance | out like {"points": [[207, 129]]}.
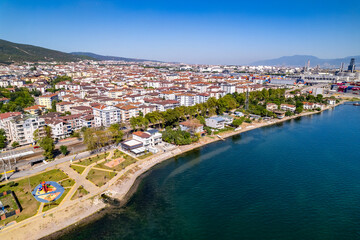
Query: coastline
{"points": [[59, 221]]}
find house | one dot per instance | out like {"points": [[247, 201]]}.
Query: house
{"points": [[192, 126], [215, 122], [149, 138], [35, 110], [143, 137], [228, 119], [239, 114], [156, 136], [288, 107], [331, 101], [308, 105], [271, 106], [4, 100]]}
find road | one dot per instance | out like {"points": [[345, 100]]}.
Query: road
{"points": [[39, 168]]}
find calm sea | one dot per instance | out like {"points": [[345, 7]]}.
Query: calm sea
{"points": [[295, 180]]}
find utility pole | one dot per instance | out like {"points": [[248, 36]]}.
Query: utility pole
{"points": [[4, 169]]}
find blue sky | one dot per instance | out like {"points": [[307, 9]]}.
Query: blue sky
{"points": [[214, 32]]}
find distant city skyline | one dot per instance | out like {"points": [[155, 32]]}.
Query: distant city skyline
{"points": [[208, 32]]}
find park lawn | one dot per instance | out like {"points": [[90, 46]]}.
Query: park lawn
{"points": [[117, 154], [67, 182], [128, 160], [49, 206], [226, 129], [99, 177], [22, 189], [78, 169], [80, 192], [145, 155], [90, 160]]}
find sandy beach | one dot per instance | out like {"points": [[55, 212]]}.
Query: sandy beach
{"points": [[71, 213]]}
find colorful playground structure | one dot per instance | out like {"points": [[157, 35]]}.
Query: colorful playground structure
{"points": [[48, 191]]}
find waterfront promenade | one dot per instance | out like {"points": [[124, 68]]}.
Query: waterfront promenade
{"points": [[71, 211]]}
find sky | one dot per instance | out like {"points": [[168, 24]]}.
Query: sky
{"points": [[205, 32]]}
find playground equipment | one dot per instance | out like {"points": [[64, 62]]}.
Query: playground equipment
{"points": [[48, 191]]}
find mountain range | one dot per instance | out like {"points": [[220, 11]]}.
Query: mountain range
{"points": [[15, 52], [302, 60], [113, 58]]}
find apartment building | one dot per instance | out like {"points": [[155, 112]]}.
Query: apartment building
{"points": [[21, 129], [106, 115], [127, 112], [47, 100], [186, 99]]}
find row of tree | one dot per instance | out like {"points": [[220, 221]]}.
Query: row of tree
{"points": [[172, 117]]}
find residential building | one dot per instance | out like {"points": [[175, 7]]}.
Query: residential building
{"points": [[47, 100], [106, 115], [192, 126], [215, 122], [288, 107]]}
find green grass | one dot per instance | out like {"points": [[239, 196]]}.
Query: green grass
{"points": [[78, 169], [145, 155], [88, 161], [99, 177], [9, 202], [67, 182], [226, 129], [117, 154], [49, 206], [22, 190], [128, 160], [80, 192]]}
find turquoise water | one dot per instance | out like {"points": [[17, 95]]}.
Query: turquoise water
{"points": [[296, 180]]}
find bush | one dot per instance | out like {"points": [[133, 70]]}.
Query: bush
{"points": [[15, 144], [248, 120]]}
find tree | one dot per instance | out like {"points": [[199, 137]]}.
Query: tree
{"points": [[15, 144], [208, 130], [47, 144], [75, 134], [299, 107], [97, 138], [116, 133], [53, 105], [2, 139], [63, 150]]}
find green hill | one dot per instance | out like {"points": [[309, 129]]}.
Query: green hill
{"points": [[14, 52]]}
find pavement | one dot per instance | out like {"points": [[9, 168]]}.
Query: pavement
{"points": [[36, 169]]}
